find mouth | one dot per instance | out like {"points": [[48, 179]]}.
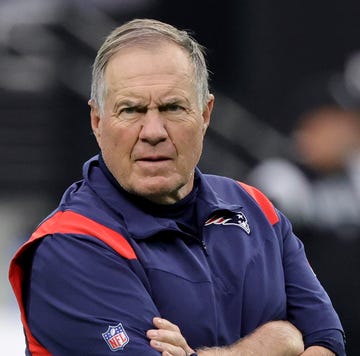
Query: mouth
{"points": [[153, 159]]}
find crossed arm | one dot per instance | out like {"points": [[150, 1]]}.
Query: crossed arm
{"points": [[275, 338]]}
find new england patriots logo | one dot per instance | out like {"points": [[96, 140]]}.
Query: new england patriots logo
{"points": [[116, 337], [229, 218]]}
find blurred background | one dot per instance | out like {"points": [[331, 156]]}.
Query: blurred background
{"points": [[286, 76]]}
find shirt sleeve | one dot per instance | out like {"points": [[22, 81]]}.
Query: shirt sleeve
{"points": [[309, 307], [85, 299]]}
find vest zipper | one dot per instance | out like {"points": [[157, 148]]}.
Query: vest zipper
{"points": [[203, 245]]}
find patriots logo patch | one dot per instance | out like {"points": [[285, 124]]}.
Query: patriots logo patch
{"points": [[116, 337], [238, 219]]}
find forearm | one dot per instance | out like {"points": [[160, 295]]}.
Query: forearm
{"points": [[277, 338], [317, 351]]}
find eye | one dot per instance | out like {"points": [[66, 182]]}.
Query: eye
{"points": [[171, 108], [127, 110], [132, 110]]}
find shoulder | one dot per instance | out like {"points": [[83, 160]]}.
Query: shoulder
{"points": [[231, 187], [263, 201], [224, 186], [72, 224]]}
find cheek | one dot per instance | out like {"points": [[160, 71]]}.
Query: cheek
{"points": [[190, 144], [107, 139], [116, 137]]}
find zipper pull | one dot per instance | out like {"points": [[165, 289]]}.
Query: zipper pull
{"points": [[203, 245]]}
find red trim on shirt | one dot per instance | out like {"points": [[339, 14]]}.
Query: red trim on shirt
{"points": [[264, 202], [63, 222], [69, 222]]}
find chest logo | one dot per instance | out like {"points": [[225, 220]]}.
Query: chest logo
{"points": [[116, 337], [237, 219]]}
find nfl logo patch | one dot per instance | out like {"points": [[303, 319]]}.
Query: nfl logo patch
{"points": [[116, 337]]}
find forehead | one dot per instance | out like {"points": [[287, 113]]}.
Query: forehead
{"points": [[145, 66]]}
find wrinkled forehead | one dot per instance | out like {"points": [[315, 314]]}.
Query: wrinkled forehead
{"points": [[149, 63], [149, 71]]}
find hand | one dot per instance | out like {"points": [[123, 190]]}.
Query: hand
{"points": [[277, 338], [167, 339]]}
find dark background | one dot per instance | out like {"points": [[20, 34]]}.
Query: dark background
{"points": [[261, 54]]}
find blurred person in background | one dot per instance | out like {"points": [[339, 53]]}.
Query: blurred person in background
{"points": [[327, 141], [318, 187], [148, 255]]}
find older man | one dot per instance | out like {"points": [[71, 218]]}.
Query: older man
{"points": [[147, 254]]}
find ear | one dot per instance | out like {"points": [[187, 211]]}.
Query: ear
{"points": [[207, 112], [95, 119]]}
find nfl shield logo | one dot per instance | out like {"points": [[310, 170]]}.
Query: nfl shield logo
{"points": [[116, 337]]}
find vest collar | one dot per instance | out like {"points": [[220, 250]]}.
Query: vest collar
{"points": [[139, 223]]}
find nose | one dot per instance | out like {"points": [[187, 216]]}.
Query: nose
{"points": [[153, 129]]}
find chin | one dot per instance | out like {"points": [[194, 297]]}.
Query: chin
{"points": [[165, 192]]}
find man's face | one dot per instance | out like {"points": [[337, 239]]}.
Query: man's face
{"points": [[151, 133]]}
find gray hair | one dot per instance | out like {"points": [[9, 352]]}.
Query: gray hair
{"points": [[140, 31]]}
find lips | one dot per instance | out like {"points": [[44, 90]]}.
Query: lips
{"points": [[154, 158]]}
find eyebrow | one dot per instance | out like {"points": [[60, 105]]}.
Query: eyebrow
{"points": [[126, 102]]}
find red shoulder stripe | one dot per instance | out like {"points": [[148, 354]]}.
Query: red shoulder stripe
{"points": [[71, 222], [62, 222], [264, 202]]}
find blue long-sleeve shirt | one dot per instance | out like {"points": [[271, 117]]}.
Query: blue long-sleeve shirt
{"points": [[215, 264]]}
